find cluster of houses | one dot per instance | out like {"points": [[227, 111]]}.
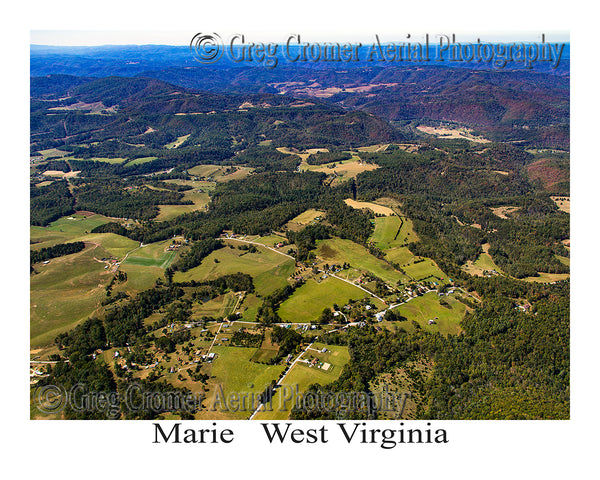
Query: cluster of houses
{"points": [[173, 247]]}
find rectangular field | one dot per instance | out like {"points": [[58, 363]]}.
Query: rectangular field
{"points": [[308, 301]]}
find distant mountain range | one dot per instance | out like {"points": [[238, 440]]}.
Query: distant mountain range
{"points": [[530, 107]]}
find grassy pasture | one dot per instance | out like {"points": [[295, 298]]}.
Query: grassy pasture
{"points": [[427, 307], [153, 255], [200, 198], [337, 250], [374, 207], [399, 255], [307, 217], [141, 160], [548, 277], [204, 170], [217, 173], [52, 152], [64, 230], [114, 244], [178, 142], [267, 350], [345, 169], [308, 301], [77, 224], [234, 372], [268, 269], [388, 232], [65, 292], [427, 269]]}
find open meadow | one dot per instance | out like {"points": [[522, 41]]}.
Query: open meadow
{"points": [[339, 251], [269, 269], [309, 300], [234, 372], [427, 307]]}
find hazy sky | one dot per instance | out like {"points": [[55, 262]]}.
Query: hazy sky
{"points": [[90, 37]]}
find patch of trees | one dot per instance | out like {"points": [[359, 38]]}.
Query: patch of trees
{"points": [[111, 227], [59, 165], [168, 343], [306, 238], [394, 316], [321, 158], [267, 159], [83, 339], [246, 339], [114, 198], [234, 282], [267, 312], [50, 202], [90, 377], [198, 252], [60, 250], [506, 365], [124, 324], [350, 223], [288, 340]]}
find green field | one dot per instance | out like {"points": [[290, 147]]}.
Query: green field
{"points": [[140, 160], [393, 231], [486, 262], [307, 217], [544, 277], [427, 307], [72, 224], [337, 250], [301, 376], [267, 350], [200, 198], [269, 269], [64, 292], [153, 255], [218, 307], [177, 142], [52, 152], [235, 373], [114, 244], [204, 170], [309, 300], [217, 173], [425, 270], [64, 230], [400, 255]]}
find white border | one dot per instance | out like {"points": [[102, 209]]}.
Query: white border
{"points": [[476, 449]]}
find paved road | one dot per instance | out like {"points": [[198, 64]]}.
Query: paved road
{"points": [[358, 286], [283, 378]]}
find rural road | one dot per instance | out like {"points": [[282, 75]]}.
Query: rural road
{"points": [[283, 378], [357, 286]]}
